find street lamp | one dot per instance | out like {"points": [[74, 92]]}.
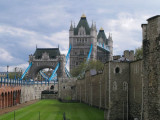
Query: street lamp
{"points": [[7, 71], [15, 72]]}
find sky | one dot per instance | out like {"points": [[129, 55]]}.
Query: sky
{"points": [[45, 23]]}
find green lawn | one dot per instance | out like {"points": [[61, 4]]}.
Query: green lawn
{"points": [[53, 110]]}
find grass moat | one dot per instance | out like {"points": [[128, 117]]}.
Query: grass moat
{"points": [[54, 110]]}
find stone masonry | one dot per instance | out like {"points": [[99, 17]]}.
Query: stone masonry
{"points": [[151, 48]]}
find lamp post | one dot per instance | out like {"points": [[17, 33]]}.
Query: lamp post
{"points": [[15, 72], [7, 71]]}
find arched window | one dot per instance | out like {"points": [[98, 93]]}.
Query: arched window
{"points": [[52, 87], [114, 86], [117, 70], [125, 86]]}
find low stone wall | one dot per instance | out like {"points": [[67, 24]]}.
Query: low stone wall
{"points": [[9, 95], [67, 89], [49, 96], [33, 92]]}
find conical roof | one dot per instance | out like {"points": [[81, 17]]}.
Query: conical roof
{"points": [[102, 35], [83, 22]]}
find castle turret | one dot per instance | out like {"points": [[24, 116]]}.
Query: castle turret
{"points": [[151, 56]]}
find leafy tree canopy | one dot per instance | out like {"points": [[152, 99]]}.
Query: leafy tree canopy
{"points": [[139, 53], [92, 64]]}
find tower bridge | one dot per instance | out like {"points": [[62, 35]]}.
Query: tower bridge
{"points": [[83, 43]]}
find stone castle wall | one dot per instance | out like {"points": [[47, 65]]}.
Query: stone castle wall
{"points": [[151, 48], [33, 92], [66, 89], [136, 90], [118, 89]]}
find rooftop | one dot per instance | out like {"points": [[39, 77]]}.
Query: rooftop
{"points": [[53, 52], [153, 17], [83, 22]]}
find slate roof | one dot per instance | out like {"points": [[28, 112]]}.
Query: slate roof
{"points": [[102, 35], [83, 22], [53, 52]]}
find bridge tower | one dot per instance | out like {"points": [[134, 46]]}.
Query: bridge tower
{"points": [[46, 58], [81, 38]]}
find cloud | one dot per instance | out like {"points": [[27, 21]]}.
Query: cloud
{"points": [[5, 56], [125, 30], [45, 23], [31, 38], [20, 43], [19, 67]]}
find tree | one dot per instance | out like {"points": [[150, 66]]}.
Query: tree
{"points": [[96, 64], [92, 64], [139, 53]]}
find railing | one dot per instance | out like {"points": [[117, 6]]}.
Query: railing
{"points": [[19, 82]]}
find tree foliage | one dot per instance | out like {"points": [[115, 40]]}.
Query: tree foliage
{"points": [[11, 75], [139, 53], [92, 64]]}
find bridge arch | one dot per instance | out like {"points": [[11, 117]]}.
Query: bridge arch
{"points": [[46, 58]]}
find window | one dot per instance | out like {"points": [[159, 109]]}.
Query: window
{"points": [[114, 86], [117, 70], [76, 63], [81, 52], [125, 86]]}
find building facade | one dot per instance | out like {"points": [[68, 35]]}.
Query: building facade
{"points": [[81, 38]]}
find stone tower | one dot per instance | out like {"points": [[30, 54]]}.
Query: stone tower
{"points": [[151, 55], [103, 55], [81, 38]]}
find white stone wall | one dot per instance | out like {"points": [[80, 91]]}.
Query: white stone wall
{"points": [[33, 92]]}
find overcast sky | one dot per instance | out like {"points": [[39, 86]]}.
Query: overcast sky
{"points": [[25, 23]]}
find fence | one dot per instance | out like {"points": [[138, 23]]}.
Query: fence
{"points": [[36, 116], [19, 82]]}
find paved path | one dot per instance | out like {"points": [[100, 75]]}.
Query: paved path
{"points": [[10, 109]]}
